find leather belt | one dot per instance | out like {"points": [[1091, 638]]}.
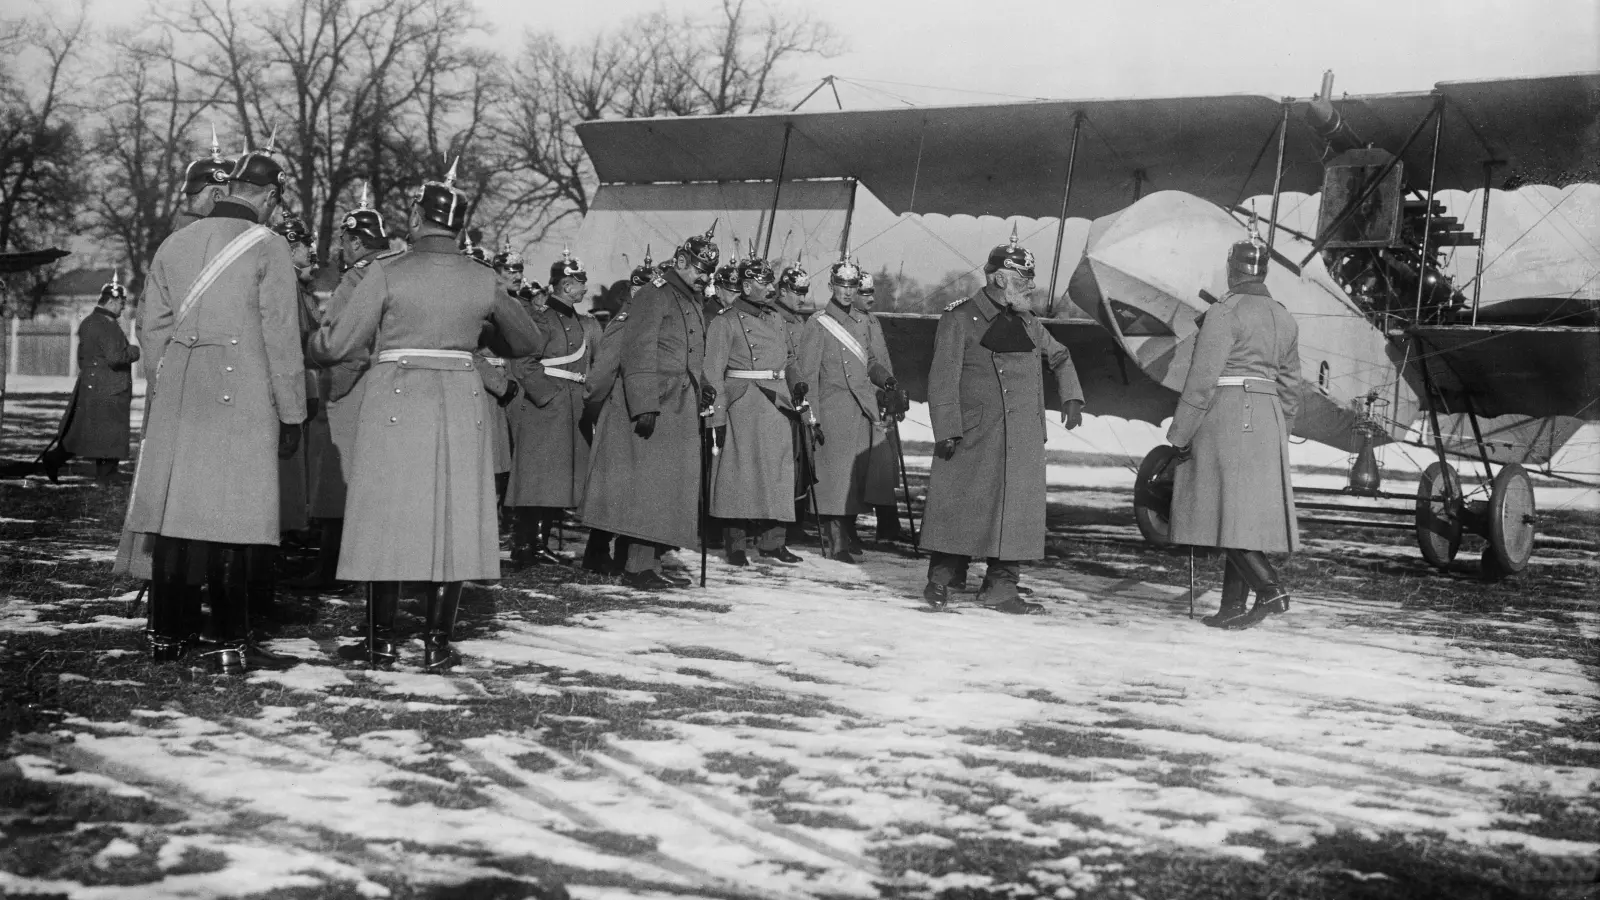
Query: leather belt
{"points": [[420, 358], [756, 374], [495, 361], [1251, 383], [566, 374]]}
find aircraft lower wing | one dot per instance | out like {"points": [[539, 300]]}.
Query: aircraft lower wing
{"points": [[1112, 384], [1500, 370]]}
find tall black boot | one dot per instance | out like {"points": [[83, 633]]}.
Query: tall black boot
{"points": [[378, 648], [889, 523], [540, 553], [444, 601], [166, 631], [597, 551], [261, 577], [734, 543], [524, 536], [324, 578], [227, 580], [51, 460], [1263, 579], [1234, 591]]}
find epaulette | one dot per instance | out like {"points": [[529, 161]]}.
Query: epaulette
{"points": [[482, 262], [389, 254], [361, 264], [956, 304], [620, 317], [723, 310], [659, 281]]}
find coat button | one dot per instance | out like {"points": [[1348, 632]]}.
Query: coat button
{"points": [[474, 393], [234, 341], [226, 398], [227, 368], [394, 419], [397, 390]]}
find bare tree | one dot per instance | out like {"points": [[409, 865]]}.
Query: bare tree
{"points": [[734, 66], [40, 150]]}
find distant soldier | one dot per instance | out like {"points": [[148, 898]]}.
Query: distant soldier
{"points": [[794, 305], [331, 433], [724, 289], [292, 475], [883, 468], [421, 504], [533, 296], [844, 360], [501, 389], [644, 475], [598, 555], [986, 493], [220, 319], [1232, 429], [748, 364], [95, 425], [551, 462], [205, 182]]}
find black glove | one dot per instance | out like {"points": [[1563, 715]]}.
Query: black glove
{"points": [[890, 384], [946, 448], [1183, 454], [586, 426], [798, 395], [718, 435], [311, 408], [1072, 414], [288, 439], [893, 403], [512, 390], [708, 395], [816, 434], [644, 425]]}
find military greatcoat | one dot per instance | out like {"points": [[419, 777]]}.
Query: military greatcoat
{"points": [[551, 461], [988, 499], [226, 375], [648, 488], [1235, 490], [844, 393], [421, 505], [331, 437], [752, 477], [294, 475], [96, 423], [496, 381]]}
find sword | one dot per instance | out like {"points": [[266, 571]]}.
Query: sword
{"points": [[707, 449], [1191, 581], [808, 419], [905, 484]]}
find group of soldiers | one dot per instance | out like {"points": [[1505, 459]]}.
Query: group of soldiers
{"points": [[436, 393]]}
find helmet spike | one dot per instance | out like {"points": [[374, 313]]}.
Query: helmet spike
{"points": [[566, 252], [712, 231], [466, 242], [647, 260], [505, 243], [1013, 244], [366, 198], [450, 176], [216, 149], [116, 280], [272, 141]]}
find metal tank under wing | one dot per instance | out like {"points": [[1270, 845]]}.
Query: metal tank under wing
{"points": [[1150, 271]]}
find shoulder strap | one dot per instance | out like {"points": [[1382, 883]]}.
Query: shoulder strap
{"points": [[844, 337], [236, 248]]}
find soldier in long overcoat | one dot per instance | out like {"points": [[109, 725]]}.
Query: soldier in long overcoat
{"points": [[551, 463], [883, 467], [986, 492], [331, 433], [845, 361], [644, 473], [1232, 427], [421, 504], [219, 318], [598, 555], [794, 306], [95, 425], [748, 362]]}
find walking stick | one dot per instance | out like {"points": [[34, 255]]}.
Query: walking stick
{"points": [[808, 420], [706, 451], [1191, 581], [133, 608], [900, 449]]}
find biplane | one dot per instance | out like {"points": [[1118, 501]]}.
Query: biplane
{"points": [[1394, 347]]}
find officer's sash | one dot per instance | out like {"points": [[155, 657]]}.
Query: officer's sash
{"points": [[844, 337], [230, 254]]}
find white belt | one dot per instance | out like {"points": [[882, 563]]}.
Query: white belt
{"points": [[402, 354], [566, 374], [495, 361], [574, 356], [756, 374], [1239, 380]]}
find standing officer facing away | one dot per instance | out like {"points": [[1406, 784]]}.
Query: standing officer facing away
{"points": [[220, 319], [204, 183], [644, 474], [986, 493], [421, 505], [95, 425], [1232, 428]]}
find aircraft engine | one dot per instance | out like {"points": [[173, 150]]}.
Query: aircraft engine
{"points": [[1150, 271]]}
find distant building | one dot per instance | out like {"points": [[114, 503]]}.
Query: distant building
{"points": [[47, 342]]}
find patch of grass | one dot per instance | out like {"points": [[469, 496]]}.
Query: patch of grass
{"points": [[767, 773], [1058, 740], [443, 794], [615, 842], [708, 653], [1558, 817], [534, 762], [29, 806]]}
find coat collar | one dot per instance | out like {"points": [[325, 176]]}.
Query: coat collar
{"points": [[105, 312], [744, 305], [229, 208], [559, 307], [845, 314], [1258, 288], [435, 243], [986, 305]]}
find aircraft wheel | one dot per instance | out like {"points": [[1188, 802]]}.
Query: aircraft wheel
{"points": [[1439, 514], [1152, 495], [1511, 520]]}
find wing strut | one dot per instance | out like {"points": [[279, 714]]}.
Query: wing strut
{"points": [[1066, 194], [1427, 217], [1483, 233], [1277, 177]]}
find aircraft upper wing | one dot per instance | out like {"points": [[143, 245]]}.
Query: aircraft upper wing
{"points": [[1112, 384], [1010, 159], [1510, 370], [23, 260]]}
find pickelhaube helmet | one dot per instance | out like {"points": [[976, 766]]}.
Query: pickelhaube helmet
{"points": [[867, 287], [442, 203], [643, 273], [844, 273], [727, 275], [113, 290], [702, 250], [259, 168], [207, 171], [507, 259], [1011, 256], [758, 270], [468, 248], [1250, 257], [364, 221], [531, 289], [567, 266], [795, 278], [294, 230]]}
